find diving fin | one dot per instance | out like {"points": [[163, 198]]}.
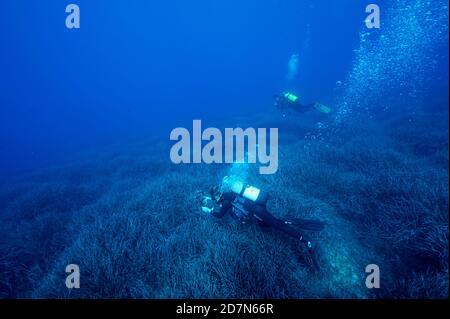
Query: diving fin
{"points": [[307, 224], [322, 108]]}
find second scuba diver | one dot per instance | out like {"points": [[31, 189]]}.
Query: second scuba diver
{"points": [[289, 101]]}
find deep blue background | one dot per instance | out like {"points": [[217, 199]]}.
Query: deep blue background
{"points": [[140, 68]]}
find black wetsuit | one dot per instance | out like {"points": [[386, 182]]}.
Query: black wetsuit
{"points": [[231, 203]]}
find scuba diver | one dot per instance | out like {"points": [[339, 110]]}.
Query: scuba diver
{"points": [[248, 203], [289, 101]]}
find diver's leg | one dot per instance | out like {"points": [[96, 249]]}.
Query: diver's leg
{"points": [[301, 108], [266, 218]]}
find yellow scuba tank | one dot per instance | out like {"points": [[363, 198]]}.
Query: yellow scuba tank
{"points": [[291, 97]]}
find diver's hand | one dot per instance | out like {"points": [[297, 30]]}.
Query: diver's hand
{"points": [[207, 204]]}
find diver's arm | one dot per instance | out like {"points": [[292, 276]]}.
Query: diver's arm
{"points": [[222, 209], [224, 205]]}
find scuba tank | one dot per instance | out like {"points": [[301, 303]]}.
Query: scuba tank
{"points": [[291, 97], [244, 190]]}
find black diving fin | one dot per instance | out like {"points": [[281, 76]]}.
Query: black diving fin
{"points": [[322, 108]]}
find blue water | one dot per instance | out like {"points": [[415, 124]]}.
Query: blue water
{"points": [[85, 173]]}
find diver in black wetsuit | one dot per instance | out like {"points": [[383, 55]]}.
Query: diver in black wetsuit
{"points": [[289, 101], [247, 203]]}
